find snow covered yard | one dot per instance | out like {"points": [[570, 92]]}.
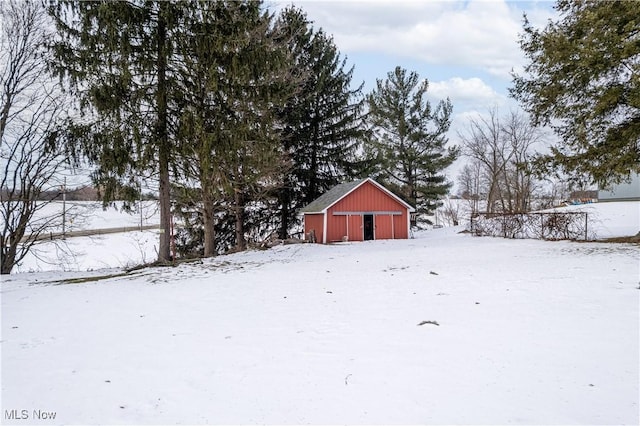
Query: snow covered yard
{"points": [[528, 332], [121, 250]]}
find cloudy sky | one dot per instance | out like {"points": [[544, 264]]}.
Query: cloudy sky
{"points": [[466, 49]]}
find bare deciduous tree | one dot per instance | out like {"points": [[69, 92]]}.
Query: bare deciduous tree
{"points": [[519, 183], [449, 213], [472, 184], [501, 150], [484, 143], [31, 106]]}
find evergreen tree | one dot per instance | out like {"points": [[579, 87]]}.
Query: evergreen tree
{"points": [[118, 56], [198, 131], [582, 80], [409, 138], [322, 123], [235, 70]]}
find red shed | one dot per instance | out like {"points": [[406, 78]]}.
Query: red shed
{"points": [[357, 211]]}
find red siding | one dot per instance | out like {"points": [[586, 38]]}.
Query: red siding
{"points": [[401, 226], [314, 222], [383, 230], [367, 198], [355, 228]]}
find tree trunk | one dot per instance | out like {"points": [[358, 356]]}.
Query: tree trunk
{"points": [[313, 190], [17, 237], [209, 221], [241, 242], [285, 199], [8, 259], [492, 196], [164, 252]]}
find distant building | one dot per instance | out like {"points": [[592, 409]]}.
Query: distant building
{"points": [[625, 191], [583, 197]]}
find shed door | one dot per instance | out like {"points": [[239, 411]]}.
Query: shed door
{"points": [[367, 221]]}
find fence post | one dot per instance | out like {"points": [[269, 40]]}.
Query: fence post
{"points": [[504, 226], [586, 222]]}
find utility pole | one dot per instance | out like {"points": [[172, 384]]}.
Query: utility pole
{"points": [[64, 208], [140, 206]]}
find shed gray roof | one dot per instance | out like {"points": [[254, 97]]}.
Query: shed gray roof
{"points": [[330, 197], [335, 194]]}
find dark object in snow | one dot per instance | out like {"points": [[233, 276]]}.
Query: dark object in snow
{"points": [[346, 379], [429, 322], [329, 292], [433, 273]]}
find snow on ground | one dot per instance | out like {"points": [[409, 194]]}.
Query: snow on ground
{"points": [[99, 251], [528, 332], [610, 219], [82, 215], [121, 250]]}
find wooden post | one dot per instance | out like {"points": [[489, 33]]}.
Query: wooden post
{"points": [[586, 221], [347, 216], [140, 206], [64, 208]]}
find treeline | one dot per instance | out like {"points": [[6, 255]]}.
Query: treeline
{"points": [[82, 193], [242, 116]]}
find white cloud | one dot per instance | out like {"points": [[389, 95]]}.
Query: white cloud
{"points": [[477, 34], [471, 98], [464, 90], [469, 40]]}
